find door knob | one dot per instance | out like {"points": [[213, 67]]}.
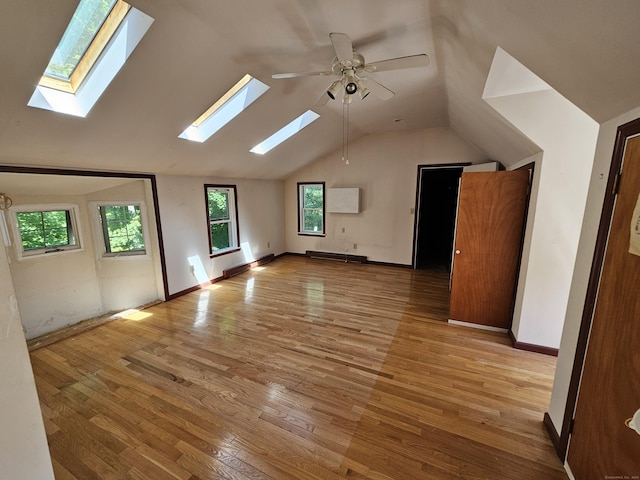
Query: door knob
{"points": [[457, 252]]}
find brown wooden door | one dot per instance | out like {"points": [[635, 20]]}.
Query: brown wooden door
{"points": [[487, 247], [601, 445]]}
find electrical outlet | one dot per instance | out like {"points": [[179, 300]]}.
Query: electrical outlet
{"points": [[355, 246]]}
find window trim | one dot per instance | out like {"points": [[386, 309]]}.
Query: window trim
{"points": [[98, 43], [115, 54], [300, 209], [233, 217], [101, 247], [74, 218]]}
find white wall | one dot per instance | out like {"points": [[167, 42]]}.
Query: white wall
{"points": [[129, 281], [184, 225], [568, 138], [581, 272], [384, 167], [24, 452], [58, 290]]}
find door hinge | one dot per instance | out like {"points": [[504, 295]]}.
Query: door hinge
{"points": [[571, 425], [616, 183]]}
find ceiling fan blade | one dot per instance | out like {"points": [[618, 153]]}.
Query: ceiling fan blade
{"points": [[302, 74], [412, 61], [379, 90], [343, 46]]}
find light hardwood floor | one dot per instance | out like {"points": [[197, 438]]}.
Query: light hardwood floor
{"points": [[301, 369]]}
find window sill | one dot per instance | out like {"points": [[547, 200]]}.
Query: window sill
{"points": [[48, 253], [121, 255], [311, 234], [224, 252]]}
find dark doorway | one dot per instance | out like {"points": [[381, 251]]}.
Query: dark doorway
{"points": [[436, 217]]}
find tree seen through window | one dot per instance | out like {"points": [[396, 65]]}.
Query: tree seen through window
{"points": [[122, 228], [45, 229]]}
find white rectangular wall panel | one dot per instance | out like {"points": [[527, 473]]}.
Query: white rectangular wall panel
{"points": [[343, 200]]}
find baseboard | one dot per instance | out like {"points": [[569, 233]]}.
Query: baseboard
{"points": [[531, 347], [237, 270], [341, 257], [77, 328], [388, 264], [553, 434], [478, 326]]}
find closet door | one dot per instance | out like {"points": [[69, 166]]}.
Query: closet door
{"points": [[487, 249], [606, 437]]}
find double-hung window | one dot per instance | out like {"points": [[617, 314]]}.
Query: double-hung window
{"points": [[311, 208], [42, 229], [222, 218], [122, 230]]}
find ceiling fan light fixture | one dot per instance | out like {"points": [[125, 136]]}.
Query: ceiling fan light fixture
{"points": [[363, 91], [351, 88], [334, 89]]}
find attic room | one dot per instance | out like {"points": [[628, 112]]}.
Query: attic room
{"points": [[304, 367]]}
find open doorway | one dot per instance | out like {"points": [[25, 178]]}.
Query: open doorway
{"points": [[436, 205]]}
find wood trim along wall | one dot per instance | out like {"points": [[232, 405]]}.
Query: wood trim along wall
{"points": [[237, 270], [625, 131], [186, 291], [551, 430], [514, 342], [228, 273], [531, 347], [107, 174], [342, 257], [387, 264]]}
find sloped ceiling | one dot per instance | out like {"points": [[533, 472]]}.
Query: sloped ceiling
{"points": [[197, 49]]}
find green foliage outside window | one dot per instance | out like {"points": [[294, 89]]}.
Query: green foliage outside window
{"points": [[85, 24], [45, 229], [219, 218], [312, 207], [122, 228]]}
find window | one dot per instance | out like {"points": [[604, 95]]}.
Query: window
{"points": [[222, 217], [122, 231], [225, 109], [46, 229], [285, 132], [97, 42], [311, 208], [82, 42]]}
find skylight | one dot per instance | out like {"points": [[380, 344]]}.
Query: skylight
{"points": [[81, 31], [285, 132], [237, 99], [97, 42]]}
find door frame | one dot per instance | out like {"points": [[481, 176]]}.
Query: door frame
{"points": [[416, 210], [108, 174], [561, 441]]}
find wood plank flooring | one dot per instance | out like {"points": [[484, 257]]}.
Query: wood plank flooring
{"points": [[302, 369]]}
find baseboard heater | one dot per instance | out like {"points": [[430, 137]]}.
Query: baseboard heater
{"points": [[340, 257], [237, 270]]}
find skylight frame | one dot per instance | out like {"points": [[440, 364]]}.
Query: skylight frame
{"points": [[236, 100], [98, 43], [124, 40], [289, 130]]}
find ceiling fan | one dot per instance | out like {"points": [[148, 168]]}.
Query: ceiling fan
{"points": [[350, 66]]}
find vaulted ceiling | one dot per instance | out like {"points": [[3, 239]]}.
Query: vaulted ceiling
{"points": [[197, 49]]}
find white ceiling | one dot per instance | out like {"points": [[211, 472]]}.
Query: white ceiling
{"points": [[197, 49]]}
